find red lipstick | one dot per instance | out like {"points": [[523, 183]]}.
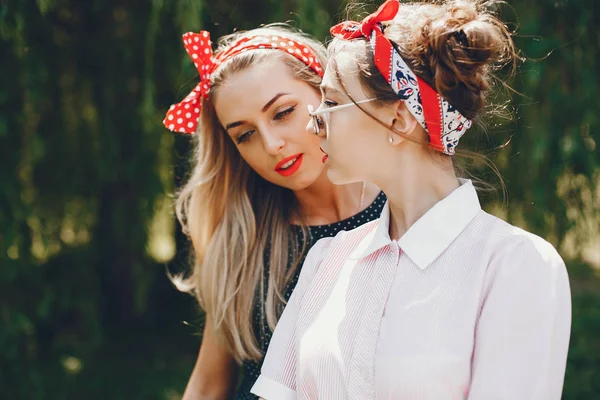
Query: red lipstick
{"points": [[325, 157], [290, 169]]}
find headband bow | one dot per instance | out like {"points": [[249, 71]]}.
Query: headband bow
{"points": [[353, 30], [443, 122], [183, 117]]}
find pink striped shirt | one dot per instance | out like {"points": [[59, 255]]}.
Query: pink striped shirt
{"points": [[462, 306]]}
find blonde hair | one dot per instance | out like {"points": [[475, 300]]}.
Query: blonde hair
{"points": [[238, 222]]}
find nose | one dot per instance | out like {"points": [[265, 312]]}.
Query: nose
{"points": [[310, 127], [272, 142]]}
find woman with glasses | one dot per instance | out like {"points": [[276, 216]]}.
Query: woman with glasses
{"points": [[436, 299], [258, 196]]}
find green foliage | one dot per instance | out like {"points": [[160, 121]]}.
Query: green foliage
{"points": [[581, 381], [85, 164], [553, 157]]}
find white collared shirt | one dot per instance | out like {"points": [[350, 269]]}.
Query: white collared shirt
{"points": [[463, 305]]}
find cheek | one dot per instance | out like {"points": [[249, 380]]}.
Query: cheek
{"points": [[307, 140], [347, 137], [314, 143], [254, 156]]}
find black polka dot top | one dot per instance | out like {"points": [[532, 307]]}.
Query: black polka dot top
{"points": [[251, 369]]}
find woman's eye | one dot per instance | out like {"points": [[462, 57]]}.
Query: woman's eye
{"points": [[244, 137], [329, 103], [284, 113]]}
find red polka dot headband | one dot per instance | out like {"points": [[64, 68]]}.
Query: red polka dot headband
{"points": [[443, 122], [183, 117]]}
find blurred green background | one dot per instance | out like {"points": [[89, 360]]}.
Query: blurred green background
{"points": [[87, 173]]}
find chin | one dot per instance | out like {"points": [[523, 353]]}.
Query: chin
{"points": [[340, 179], [299, 182]]}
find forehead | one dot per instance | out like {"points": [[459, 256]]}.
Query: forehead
{"points": [[258, 74], [343, 66], [248, 90]]}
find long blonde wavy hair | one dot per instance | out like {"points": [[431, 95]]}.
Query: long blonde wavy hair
{"points": [[239, 223]]}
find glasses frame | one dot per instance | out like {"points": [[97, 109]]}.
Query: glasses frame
{"points": [[317, 122]]}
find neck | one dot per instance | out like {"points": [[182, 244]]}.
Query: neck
{"points": [[324, 203], [424, 181]]}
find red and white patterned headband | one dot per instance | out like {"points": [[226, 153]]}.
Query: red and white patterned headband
{"points": [[443, 122], [183, 117]]}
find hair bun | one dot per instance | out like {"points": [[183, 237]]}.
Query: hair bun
{"points": [[465, 44]]}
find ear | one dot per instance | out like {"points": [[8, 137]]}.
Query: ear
{"points": [[403, 123]]}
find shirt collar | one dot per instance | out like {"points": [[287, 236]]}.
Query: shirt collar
{"points": [[427, 238]]}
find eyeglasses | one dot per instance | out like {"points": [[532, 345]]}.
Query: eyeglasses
{"points": [[319, 123]]}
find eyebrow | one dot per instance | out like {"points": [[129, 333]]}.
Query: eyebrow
{"points": [[330, 89], [264, 109], [273, 100]]}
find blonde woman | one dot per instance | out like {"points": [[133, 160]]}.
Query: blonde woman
{"points": [[436, 299], [258, 196]]}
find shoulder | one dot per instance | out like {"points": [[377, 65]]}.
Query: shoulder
{"points": [[339, 246], [517, 254], [518, 243], [320, 248], [351, 238]]}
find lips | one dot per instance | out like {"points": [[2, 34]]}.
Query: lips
{"points": [[325, 157], [289, 165]]}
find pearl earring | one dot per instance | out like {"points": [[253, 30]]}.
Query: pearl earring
{"points": [[391, 140]]}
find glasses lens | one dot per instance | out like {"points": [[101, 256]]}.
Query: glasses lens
{"points": [[317, 122]]}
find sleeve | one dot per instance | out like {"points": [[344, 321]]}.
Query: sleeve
{"points": [[277, 380], [522, 334]]}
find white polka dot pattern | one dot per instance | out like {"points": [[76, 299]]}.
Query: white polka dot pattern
{"points": [[183, 117]]}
